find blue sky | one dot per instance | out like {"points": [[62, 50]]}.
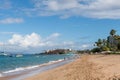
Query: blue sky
{"points": [[37, 25]]}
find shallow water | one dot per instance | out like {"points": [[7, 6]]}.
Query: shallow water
{"points": [[15, 64]]}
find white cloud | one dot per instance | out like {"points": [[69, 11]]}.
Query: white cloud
{"points": [[52, 37], [57, 5], [11, 20], [102, 9], [34, 42], [6, 33], [89, 8], [25, 41], [85, 46], [1, 44], [5, 4]]}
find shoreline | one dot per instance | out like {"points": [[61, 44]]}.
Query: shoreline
{"points": [[20, 69], [20, 75], [88, 67]]}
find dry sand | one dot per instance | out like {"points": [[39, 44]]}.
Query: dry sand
{"points": [[88, 67]]}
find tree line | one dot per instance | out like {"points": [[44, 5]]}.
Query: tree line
{"points": [[111, 43]]}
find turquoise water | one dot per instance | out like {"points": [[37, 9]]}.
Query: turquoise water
{"points": [[11, 63]]}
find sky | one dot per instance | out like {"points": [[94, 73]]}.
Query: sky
{"points": [[38, 25]]}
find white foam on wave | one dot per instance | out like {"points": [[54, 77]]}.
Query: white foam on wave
{"points": [[51, 62], [21, 69], [1, 75], [17, 69], [60, 59], [31, 67]]}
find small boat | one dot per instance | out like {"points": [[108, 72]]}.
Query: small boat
{"points": [[19, 55]]}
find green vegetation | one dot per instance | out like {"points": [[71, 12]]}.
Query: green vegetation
{"points": [[58, 51], [111, 43]]}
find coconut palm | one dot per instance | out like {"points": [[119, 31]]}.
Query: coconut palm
{"points": [[112, 32], [99, 43]]}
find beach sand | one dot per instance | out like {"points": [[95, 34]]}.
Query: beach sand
{"points": [[87, 67]]}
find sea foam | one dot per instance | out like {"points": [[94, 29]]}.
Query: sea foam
{"points": [[14, 70], [21, 69], [51, 62], [1, 75], [31, 67]]}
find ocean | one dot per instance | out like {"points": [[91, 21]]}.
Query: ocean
{"points": [[12, 64]]}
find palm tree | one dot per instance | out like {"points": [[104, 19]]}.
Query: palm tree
{"points": [[99, 43], [104, 42], [112, 32]]}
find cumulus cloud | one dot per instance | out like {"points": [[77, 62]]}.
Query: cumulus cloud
{"points": [[32, 40], [11, 20], [25, 41], [88, 8], [35, 43]]}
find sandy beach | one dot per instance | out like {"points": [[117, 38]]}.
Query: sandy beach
{"points": [[87, 67]]}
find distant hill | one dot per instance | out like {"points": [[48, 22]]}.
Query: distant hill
{"points": [[58, 51]]}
